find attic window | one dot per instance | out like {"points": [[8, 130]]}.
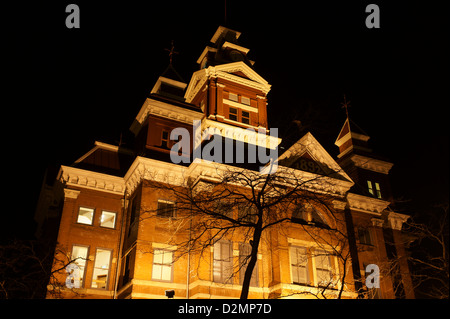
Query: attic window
{"points": [[233, 97], [245, 100]]}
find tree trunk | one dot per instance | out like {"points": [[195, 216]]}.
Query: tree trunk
{"points": [[251, 263]]}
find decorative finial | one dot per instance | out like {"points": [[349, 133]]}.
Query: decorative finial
{"points": [[346, 105], [171, 52]]}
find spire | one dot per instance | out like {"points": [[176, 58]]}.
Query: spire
{"points": [[351, 138]]}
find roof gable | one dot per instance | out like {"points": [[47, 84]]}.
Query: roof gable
{"points": [[307, 154], [238, 72]]}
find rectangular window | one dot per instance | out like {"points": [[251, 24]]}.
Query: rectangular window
{"points": [[233, 114], [79, 257], [108, 219], [364, 236], [369, 186], [101, 268], [223, 262], [299, 265], [244, 258], [162, 265], [245, 117], [165, 209], [165, 139], [233, 97], [323, 269], [245, 100], [378, 190], [85, 216]]}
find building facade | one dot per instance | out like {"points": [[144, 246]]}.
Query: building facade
{"points": [[126, 231]]}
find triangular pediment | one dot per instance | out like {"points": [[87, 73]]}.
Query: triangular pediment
{"points": [[308, 155], [238, 72]]}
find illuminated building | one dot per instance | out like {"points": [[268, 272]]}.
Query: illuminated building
{"points": [[121, 254]]}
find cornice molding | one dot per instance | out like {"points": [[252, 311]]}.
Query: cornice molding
{"points": [[396, 220], [224, 71], [366, 204], [72, 176], [165, 110], [371, 164]]}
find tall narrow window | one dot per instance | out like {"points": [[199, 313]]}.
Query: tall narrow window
{"points": [[79, 257], [85, 216], [244, 258], [165, 139], [299, 265], [162, 265], [165, 208], [323, 269], [364, 236], [378, 190], [101, 268], [223, 262], [233, 114], [370, 187], [245, 117]]}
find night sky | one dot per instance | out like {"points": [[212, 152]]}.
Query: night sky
{"points": [[67, 88]]}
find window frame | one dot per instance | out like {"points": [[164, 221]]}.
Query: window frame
{"points": [[109, 212], [159, 210], [225, 266], [162, 265], [87, 208], [108, 276], [295, 267], [85, 260]]}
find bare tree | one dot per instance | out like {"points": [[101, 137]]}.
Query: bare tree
{"points": [[245, 203]]}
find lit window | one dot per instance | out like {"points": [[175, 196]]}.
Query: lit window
{"points": [[233, 97], [165, 208], [244, 258], [370, 187], [223, 262], [162, 265], [79, 257], [108, 219], [245, 100], [245, 117], [85, 215], [233, 114], [299, 265], [101, 268], [323, 268], [378, 190]]}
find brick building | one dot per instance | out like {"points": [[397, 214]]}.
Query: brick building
{"points": [[120, 236]]}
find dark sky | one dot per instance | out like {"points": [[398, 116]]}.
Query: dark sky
{"points": [[67, 88]]}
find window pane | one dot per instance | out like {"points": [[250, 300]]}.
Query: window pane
{"points": [[101, 268], [156, 272], [108, 219], [85, 215], [80, 253], [245, 117], [165, 209], [245, 100], [233, 97], [166, 273]]}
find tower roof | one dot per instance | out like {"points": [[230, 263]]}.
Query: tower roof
{"points": [[352, 138]]}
